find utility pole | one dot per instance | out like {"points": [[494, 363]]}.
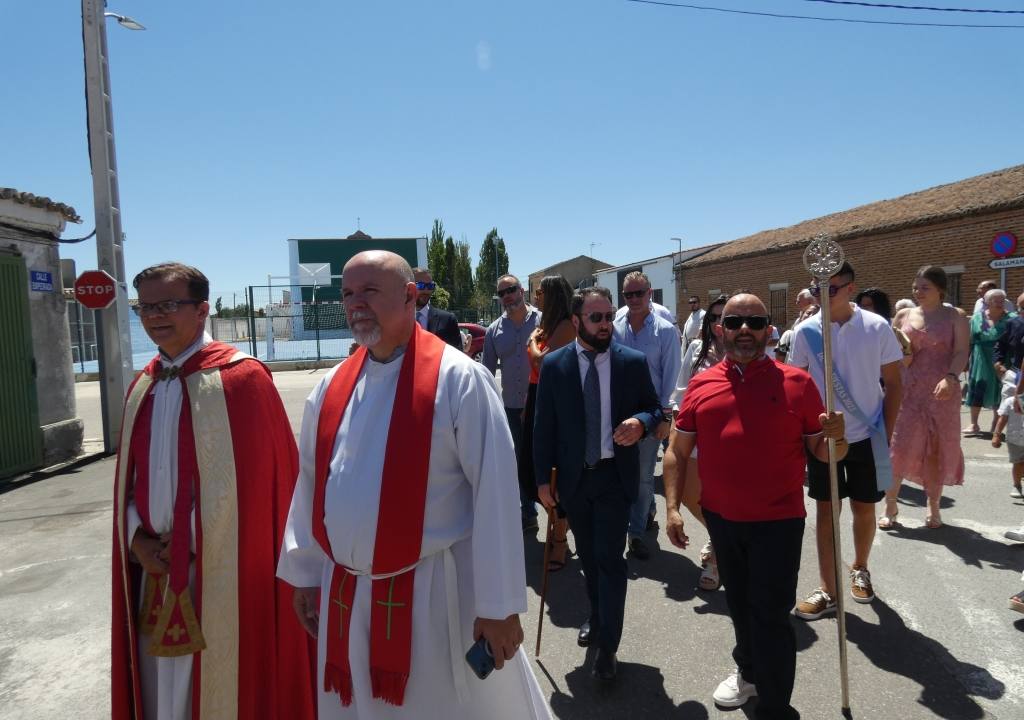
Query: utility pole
{"points": [[113, 334]]}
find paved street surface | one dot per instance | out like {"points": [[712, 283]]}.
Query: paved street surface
{"points": [[938, 642]]}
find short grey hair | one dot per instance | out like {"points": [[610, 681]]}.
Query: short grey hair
{"points": [[992, 295], [903, 304]]}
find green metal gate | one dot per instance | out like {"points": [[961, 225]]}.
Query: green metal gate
{"points": [[21, 446]]}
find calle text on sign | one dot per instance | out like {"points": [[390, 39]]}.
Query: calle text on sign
{"points": [[95, 289]]}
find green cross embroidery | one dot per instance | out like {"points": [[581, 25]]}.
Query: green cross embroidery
{"points": [[343, 607], [389, 604]]}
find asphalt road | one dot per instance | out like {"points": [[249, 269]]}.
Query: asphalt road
{"points": [[938, 642]]}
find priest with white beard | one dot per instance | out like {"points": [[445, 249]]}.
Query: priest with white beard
{"points": [[405, 521]]}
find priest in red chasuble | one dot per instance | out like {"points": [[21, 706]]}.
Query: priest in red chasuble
{"points": [[403, 540], [202, 629]]}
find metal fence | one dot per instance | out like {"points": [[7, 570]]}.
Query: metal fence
{"points": [[297, 322]]}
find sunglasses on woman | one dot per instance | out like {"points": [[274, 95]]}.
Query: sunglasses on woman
{"points": [[754, 322]]}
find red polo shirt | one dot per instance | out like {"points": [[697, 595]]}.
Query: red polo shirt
{"points": [[751, 424]]}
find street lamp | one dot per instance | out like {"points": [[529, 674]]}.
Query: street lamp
{"points": [[125, 21], [113, 331]]}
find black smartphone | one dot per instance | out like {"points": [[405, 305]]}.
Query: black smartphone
{"points": [[480, 658]]}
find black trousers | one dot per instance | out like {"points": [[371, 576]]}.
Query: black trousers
{"points": [[758, 563], [598, 516]]}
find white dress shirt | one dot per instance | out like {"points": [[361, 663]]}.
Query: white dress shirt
{"points": [[603, 364]]}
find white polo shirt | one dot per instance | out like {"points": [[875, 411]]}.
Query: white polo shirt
{"points": [[860, 347]]}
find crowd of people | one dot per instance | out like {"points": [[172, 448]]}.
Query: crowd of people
{"points": [[382, 557]]}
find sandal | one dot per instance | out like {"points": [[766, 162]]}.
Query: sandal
{"points": [[888, 520], [934, 522], [709, 579], [971, 431], [706, 553]]}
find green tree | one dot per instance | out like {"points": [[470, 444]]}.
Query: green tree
{"points": [[462, 280], [436, 252], [441, 298], [501, 255], [486, 267], [218, 306], [447, 278]]}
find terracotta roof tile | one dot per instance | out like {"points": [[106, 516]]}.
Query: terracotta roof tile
{"points": [[1000, 190], [39, 201]]}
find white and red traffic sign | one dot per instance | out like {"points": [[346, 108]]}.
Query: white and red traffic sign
{"points": [[95, 289]]}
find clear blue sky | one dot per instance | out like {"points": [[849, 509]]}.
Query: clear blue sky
{"points": [[561, 122]]}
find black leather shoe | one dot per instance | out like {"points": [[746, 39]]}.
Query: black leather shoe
{"points": [[583, 639], [652, 523], [638, 549], [606, 666]]}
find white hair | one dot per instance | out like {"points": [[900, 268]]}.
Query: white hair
{"points": [[903, 304], [991, 296]]}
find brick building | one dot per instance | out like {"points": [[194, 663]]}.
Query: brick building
{"points": [[886, 242]]}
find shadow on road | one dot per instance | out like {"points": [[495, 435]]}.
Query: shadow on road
{"points": [[893, 647], [972, 547], [638, 692]]}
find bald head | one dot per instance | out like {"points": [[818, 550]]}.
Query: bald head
{"points": [[742, 342], [380, 300], [383, 260]]}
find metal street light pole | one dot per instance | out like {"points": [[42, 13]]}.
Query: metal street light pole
{"points": [[113, 333]]}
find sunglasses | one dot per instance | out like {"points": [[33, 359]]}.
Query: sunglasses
{"points": [[754, 322], [425, 285], [634, 294], [694, 302], [832, 289], [508, 291], [596, 317], [167, 307]]}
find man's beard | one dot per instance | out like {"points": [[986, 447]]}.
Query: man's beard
{"points": [[515, 304], [747, 351], [365, 329], [595, 341], [421, 301]]}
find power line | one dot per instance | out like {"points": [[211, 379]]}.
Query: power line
{"points": [[917, 7], [820, 19]]}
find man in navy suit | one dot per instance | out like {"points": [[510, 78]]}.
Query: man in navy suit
{"points": [[439, 322], [595, 401]]}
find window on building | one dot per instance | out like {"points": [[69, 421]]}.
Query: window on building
{"points": [[658, 296], [777, 304], [954, 276]]}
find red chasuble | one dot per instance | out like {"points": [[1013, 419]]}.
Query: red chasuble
{"points": [[400, 517], [237, 465]]}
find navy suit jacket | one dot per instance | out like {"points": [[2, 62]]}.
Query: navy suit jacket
{"points": [[558, 428], [445, 325]]}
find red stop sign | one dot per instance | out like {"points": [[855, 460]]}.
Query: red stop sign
{"points": [[95, 289]]}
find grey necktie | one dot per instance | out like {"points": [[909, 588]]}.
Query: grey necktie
{"points": [[592, 411]]}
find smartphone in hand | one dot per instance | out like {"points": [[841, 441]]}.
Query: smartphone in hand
{"points": [[480, 658]]}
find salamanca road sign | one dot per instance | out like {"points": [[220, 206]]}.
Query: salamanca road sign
{"points": [[1003, 263]]}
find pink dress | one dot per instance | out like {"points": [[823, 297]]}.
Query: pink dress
{"points": [[926, 440]]}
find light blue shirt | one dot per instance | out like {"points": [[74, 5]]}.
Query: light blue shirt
{"points": [[505, 342], [659, 341]]}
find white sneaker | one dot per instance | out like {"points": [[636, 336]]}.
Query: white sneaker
{"points": [[734, 691], [1015, 535]]}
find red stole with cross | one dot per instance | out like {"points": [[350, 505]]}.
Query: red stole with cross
{"points": [[399, 520]]}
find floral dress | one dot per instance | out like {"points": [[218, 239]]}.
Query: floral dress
{"points": [[927, 428]]}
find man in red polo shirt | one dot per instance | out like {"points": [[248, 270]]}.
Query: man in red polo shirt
{"points": [[751, 419]]}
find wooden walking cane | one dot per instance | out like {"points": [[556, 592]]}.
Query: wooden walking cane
{"points": [[552, 519], [823, 258]]}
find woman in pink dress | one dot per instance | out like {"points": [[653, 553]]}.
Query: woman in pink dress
{"points": [[926, 439]]}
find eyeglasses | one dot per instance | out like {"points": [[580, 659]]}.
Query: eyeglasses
{"points": [[425, 285], [832, 289], [634, 294], [694, 302], [596, 317], [754, 322], [166, 307], [508, 291]]}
